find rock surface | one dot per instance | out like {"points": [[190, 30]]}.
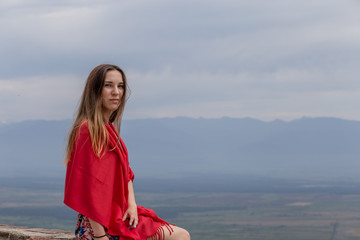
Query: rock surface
{"points": [[8, 232]]}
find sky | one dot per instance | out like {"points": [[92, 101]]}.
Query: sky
{"points": [[267, 60]]}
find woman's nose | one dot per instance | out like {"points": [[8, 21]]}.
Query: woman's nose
{"points": [[116, 91]]}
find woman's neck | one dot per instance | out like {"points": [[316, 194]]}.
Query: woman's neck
{"points": [[106, 116]]}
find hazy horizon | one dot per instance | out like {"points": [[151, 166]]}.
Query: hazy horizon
{"points": [[316, 148]]}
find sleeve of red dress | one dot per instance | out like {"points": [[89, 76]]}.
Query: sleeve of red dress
{"points": [[84, 186]]}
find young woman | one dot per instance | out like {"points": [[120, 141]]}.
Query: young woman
{"points": [[99, 181]]}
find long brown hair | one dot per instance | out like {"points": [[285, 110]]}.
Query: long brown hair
{"points": [[90, 109]]}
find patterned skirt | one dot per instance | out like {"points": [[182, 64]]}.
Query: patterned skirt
{"points": [[84, 231]]}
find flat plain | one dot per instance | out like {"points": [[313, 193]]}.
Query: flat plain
{"points": [[262, 215]]}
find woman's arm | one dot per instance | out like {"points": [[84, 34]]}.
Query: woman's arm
{"points": [[131, 198], [131, 212], [98, 229]]}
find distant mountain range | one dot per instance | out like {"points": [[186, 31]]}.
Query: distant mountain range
{"points": [[307, 148]]}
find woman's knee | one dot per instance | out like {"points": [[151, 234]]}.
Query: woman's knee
{"points": [[186, 235], [182, 234]]}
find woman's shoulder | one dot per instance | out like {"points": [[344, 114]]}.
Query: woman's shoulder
{"points": [[84, 123], [83, 128]]}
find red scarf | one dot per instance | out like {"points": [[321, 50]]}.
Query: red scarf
{"points": [[98, 187]]}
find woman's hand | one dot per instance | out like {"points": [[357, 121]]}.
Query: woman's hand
{"points": [[132, 215]]}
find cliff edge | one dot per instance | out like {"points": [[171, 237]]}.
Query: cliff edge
{"points": [[8, 232]]}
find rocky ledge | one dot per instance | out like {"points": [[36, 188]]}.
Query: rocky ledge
{"points": [[8, 232]]}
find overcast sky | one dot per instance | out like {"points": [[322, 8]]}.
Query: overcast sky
{"points": [[266, 59]]}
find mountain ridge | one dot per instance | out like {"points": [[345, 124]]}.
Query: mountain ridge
{"points": [[323, 147]]}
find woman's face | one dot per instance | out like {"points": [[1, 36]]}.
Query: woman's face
{"points": [[112, 92]]}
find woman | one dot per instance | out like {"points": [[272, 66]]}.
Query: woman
{"points": [[99, 181]]}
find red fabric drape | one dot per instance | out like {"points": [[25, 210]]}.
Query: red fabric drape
{"points": [[98, 187]]}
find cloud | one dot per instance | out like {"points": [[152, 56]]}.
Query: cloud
{"points": [[267, 59], [41, 97], [286, 94]]}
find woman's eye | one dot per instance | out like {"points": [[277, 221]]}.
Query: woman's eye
{"points": [[121, 86]]}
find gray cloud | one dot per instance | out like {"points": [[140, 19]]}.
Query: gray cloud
{"points": [[265, 59]]}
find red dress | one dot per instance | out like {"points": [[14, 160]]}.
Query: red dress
{"points": [[97, 187]]}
